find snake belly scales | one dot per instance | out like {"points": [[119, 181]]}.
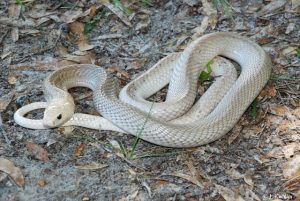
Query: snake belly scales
{"points": [[176, 122]]}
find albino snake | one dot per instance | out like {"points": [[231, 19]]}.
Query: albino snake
{"points": [[177, 122]]}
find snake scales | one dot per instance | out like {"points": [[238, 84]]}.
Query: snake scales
{"points": [[176, 122]]}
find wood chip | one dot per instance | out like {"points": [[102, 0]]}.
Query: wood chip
{"points": [[79, 149]]}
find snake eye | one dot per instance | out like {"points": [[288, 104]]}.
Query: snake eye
{"points": [[59, 117]]}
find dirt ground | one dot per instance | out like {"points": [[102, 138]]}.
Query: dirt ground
{"points": [[258, 160]]}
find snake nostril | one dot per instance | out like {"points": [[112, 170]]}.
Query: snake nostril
{"points": [[59, 117]]}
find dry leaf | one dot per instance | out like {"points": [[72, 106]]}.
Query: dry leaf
{"points": [[116, 69], [265, 40], [291, 50], [108, 36], [295, 4], [71, 15], [210, 18], [275, 153], [186, 177], [290, 149], [234, 174], [37, 151], [92, 11], [17, 22], [30, 31], [11, 80], [14, 172], [78, 28], [228, 194], [5, 54], [272, 7], [268, 91], [79, 149], [41, 182], [89, 58], [234, 133], [66, 130], [138, 64], [292, 167], [117, 11], [47, 64], [14, 11], [5, 100], [248, 178], [15, 34], [40, 13], [93, 166], [160, 182]]}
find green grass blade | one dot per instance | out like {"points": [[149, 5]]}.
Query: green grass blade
{"points": [[137, 138]]}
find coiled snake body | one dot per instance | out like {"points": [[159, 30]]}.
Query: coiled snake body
{"points": [[175, 122]]}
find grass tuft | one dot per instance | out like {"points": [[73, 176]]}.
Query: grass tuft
{"points": [[206, 75], [130, 153], [89, 26], [122, 7]]}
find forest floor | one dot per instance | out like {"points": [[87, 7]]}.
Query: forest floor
{"points": [[259, 159]]}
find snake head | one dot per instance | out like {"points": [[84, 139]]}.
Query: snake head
{"points": [[58, 112]]}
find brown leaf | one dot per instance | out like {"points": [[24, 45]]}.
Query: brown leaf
{"points": [[41, 182], [268, 91], [79, 149], [14, 172], [37, 151], [138, 64], [78, 28], [234, 133], [265, 40], [93, 11], [275, 153]]}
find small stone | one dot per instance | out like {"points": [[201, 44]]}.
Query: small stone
{"points": [[290, 28]]}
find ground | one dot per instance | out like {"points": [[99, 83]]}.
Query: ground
{"points": [[259, 159]]}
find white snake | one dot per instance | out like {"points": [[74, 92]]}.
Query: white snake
{"points": [[177, 122]]}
